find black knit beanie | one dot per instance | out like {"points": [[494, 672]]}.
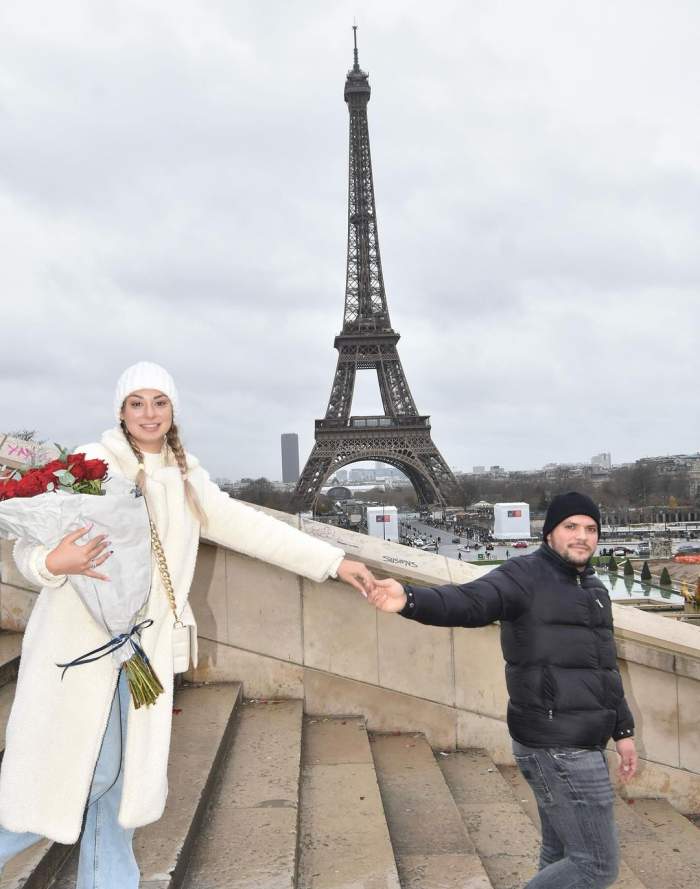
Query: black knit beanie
{"points": [[565, 505]]}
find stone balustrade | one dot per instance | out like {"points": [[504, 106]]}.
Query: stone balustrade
{"points": [[286, 637]]}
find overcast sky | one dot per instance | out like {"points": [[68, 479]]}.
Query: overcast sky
{"points": [[173, 187]]}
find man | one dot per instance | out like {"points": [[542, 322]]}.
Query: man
{"points": [[565, 692]]}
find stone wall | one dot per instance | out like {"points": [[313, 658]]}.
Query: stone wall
{"points": [[284, 636]]}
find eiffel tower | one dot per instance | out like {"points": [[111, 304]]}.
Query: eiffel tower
{"points": [[400, 436]]}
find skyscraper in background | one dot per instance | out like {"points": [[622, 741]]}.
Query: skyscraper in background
{"points": [[290, 457]]}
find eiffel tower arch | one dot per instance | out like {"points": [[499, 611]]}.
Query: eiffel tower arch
{"points": [[400, 436]]}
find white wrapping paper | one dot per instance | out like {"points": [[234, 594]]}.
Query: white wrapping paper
{"points": [[121, 514]]}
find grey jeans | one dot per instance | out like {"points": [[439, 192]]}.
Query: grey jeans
{"points": [[575, 801]]}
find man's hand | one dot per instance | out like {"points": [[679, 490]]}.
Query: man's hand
{"points": [[388, 595], [357, 575], [628, 759]]}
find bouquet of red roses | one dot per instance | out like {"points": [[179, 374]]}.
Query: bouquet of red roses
{"points": [[45, 504], [71, 473]]}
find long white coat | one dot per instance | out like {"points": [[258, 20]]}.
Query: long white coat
{"points": [[56, 726]]}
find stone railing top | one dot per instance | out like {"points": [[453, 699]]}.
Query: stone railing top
{"points": [[421, 567]]}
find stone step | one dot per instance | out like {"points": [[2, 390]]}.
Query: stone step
{"points": [[343, 837], [431, 844], [36, 867], [629, 877], [659, 844], [202, 731], [249, 835], [10, 649], [505, 838]]}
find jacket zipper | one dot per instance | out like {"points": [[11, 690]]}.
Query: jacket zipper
{"points": [[601, 606], [579, 582], [549, 700]]}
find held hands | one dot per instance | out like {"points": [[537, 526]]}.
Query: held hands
{"points": [[357, 575], [628, 759], [70, 557], [387, 595]]}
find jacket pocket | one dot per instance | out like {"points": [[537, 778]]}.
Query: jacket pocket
{"points": [[549, 691]]}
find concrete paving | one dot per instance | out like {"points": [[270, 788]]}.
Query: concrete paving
{"points": [[505, 838], [249, 838], [430, 842], [344, 840]]}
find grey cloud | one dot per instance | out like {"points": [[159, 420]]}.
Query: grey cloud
{"points": [[174, 186]]}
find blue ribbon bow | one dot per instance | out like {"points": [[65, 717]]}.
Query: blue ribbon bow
{"points": [[113, 645]]}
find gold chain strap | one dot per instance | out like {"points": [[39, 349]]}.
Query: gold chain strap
{"points": [[163, 568]]}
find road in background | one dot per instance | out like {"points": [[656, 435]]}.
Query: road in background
{"points": [[453, 550]]}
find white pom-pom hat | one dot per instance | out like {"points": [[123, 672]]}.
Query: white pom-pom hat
{"points": [[144, 375]]}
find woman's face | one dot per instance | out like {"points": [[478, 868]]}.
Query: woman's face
{"points": [[148, 415]]}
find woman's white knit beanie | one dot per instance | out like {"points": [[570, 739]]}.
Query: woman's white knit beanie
{"points": [[144, 375]]}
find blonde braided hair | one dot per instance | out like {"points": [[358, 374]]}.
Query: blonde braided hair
{"points": [[172, 437], [174, 444]]}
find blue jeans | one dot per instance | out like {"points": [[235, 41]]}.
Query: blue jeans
{"points": [[575, 801], [106, 854]]}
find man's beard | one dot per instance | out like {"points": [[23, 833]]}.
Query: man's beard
{"points": [[577, 558]]}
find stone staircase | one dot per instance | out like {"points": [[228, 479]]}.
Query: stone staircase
{"points": [[265, 797]]}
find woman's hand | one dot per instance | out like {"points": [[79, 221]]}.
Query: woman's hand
{"points": [[69, 557], [388, 595], [357, 575]]}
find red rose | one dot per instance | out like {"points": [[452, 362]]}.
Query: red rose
{"points": [[31, 485], [95, 469], [54, 466], [75, 458], [8, 489], [78, 470], [47, 474]]}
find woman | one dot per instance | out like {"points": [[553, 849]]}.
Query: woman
{"points": [[75, 749]]}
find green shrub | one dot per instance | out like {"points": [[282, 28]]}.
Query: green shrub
{"points": [[665, 579], [646, 573], [629, 570], [612, 564]]}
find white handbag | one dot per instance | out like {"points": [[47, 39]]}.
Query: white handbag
{"points": [[182, 647], [182, 634]]}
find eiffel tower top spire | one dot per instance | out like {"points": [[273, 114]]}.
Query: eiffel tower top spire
{"points": [[365, 300]]}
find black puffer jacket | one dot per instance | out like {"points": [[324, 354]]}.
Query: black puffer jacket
{"points": [[558, 644]]}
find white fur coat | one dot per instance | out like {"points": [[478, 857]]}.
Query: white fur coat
{"points": [[56, 727]]}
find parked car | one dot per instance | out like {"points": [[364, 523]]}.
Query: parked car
{"points": [[688, 549], [520, 544], [456, 540]]}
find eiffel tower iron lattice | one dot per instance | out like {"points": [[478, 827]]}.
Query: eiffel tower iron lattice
{"points": [[401, 436]]}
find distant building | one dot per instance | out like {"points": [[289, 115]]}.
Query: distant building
{"points": [[478, 470], [341, 475], [363, 475], [602, 461], [290, 457]]}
